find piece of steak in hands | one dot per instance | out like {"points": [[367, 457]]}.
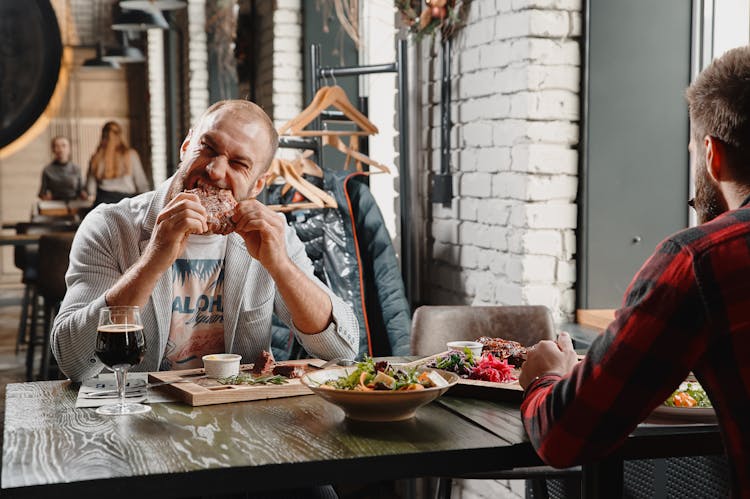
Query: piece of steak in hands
{"points": [[220, 205], [504, 349]]}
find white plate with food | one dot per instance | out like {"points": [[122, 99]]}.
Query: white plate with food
{"points": [[383, 393]]}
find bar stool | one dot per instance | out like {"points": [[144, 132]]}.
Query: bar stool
{"points": [[25, 258], [54, 252]]}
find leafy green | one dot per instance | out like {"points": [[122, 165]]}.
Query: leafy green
{"points": [[249, 379], [459, 362], [695, 390], [402, 378]]}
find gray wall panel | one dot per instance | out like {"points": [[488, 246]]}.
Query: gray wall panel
{"points": [[637, 165]]}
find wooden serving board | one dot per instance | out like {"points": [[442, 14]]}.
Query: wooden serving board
{"points": [[487, 390], [205, 391]]}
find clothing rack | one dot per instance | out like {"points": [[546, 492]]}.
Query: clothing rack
{"points": [[317, 75]]}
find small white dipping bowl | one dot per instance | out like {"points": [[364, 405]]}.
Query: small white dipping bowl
{"points": [[474, 346], [221, 365]]}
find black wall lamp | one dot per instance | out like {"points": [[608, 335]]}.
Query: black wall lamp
{"points": [[139, 20], [124, 54], [99, 61]]}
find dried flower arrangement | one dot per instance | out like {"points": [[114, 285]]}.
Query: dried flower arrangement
{"points": [[444, 15]]}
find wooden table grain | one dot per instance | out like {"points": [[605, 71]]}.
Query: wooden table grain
{"points": [[51, 448]]}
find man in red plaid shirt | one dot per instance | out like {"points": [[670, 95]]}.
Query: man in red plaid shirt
{"points": [[687, 309]]}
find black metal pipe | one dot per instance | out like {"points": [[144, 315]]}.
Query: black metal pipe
{"points": [[363, 105], [582, 233], [314, 78], [445, 109], [364, 141], [172, 44], [407, 262], [357, 70], [332, 115], [442, 184], [288, 143]]}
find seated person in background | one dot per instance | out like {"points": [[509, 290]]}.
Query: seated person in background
{"points": [[686, 309], [115, 170], [61, 179], [208, 281]]}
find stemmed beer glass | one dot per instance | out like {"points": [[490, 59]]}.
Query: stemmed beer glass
{"points": [[120, 344]]}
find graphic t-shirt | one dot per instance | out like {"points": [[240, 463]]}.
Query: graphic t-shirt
{"points": [[197, 326]]}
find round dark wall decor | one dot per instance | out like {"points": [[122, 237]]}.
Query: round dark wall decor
{"points": [[30, 56]]}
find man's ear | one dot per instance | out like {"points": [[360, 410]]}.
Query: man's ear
{"points": [[185, 143], [260, 183], [715, 159]]}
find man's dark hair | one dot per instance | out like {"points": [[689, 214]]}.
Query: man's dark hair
{"points": [[719, 104]]}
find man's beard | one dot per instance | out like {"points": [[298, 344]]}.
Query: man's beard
{"points": [[709, 201]]}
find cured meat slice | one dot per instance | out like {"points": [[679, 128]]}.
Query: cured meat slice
{"points": [[511, 350], [219, 204]]}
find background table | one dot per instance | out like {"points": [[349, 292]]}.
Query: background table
{"points": [[19, 239]]}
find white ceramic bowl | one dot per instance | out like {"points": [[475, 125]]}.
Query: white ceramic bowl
{"points": [[221, 365], [474, 346], [378, 406]]}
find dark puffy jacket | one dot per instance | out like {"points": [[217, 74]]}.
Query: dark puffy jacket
{"points": [[352, 253]]}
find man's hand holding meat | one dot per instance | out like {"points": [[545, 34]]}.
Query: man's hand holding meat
{"points": [[182, 216], [548, 358], [263, 232]]}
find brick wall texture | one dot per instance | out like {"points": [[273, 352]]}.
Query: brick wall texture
{"points": [[280, 70], [509, 236]]}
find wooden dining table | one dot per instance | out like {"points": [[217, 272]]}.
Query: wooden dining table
{"points": [[50, 448]]}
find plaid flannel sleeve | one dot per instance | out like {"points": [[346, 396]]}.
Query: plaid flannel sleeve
{"points": [[631, 368]]}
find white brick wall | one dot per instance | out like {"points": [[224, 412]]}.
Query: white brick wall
{"points": [[378, 35], [197, 59], [280, 68], [509, 235], [157, 105], [287, 61]]}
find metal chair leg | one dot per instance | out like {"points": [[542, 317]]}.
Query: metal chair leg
{"points": [[23, 323], [49, 312], [539, 488], [444, 486], [32, 336]]}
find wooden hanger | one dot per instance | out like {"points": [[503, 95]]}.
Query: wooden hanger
{"points": [[309, 166], [316, 197], [308, 114], [337, 143], [325, 98]]}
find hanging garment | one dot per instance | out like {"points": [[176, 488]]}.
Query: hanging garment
{"points": [[352, 253]]}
